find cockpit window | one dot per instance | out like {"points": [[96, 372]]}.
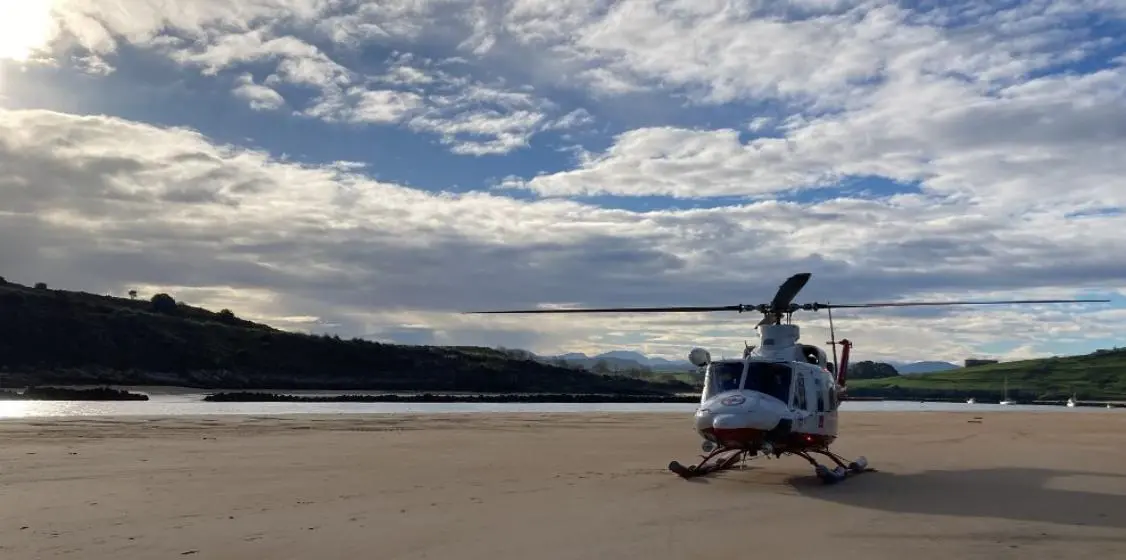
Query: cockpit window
{"points": [[769, 378], [726, 375]]}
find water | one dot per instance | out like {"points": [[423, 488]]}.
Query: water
{"points": [[190, 403]]}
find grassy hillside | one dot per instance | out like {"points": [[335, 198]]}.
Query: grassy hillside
{"points": [[63, 337], [1097, 376]]}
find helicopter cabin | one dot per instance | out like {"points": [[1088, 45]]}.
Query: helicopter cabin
{"points": [[772, 378], [814, 355], [777, 379]]}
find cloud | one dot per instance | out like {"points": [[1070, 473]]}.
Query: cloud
{"points": [[1021, 143], [121, 204], [260, 97], [941, 150], [288, 40]]}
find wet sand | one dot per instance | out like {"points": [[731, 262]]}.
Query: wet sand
{"points": [[555, 486]]}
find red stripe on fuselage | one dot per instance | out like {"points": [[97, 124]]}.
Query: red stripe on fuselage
{"points": [[749, 437], [738, 436]]}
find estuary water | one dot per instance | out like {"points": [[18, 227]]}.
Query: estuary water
{"points": [[192, 404]]}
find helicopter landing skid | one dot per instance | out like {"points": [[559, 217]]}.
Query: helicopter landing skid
{"points": [[722, 458], [842, 470], [725, 458]]}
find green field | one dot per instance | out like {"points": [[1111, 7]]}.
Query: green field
{"points": [[1097, 376]]}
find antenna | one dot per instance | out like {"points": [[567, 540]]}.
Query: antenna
{"points": [[833, 342]]}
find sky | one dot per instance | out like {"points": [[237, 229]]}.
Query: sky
{"points": [[373, 168]]}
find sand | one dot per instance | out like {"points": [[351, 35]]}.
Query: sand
{"points": [[545, 487]]}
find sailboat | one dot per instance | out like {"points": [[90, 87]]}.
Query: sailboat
{"points": [[1071, 402], [1007, 400], [971, 400]]}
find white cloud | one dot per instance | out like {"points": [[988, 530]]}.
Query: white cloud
{"points": [[105, 204], [260, 97], [822, 53], [94, 65], [1020, 140], [576, 118], [217, 37], [360, 105], [477, 119]]}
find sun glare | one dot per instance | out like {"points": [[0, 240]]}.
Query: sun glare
{"points": [[25, 26]]}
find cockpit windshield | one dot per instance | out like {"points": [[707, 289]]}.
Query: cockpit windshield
{"points": [[726, 375], [769, 378]]}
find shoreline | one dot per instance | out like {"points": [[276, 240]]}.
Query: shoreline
{"points": [[439, 398], [362, 421], [47, 427], [109, 417], [110, 393]]}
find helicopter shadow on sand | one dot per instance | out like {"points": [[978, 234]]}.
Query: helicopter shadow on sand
{"points": [[1018, 494]]}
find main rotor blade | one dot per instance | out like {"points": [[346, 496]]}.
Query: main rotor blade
{"points": [[681, 309], [940, 303], [788, 290]]}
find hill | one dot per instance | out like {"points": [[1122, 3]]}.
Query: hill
{"points": [[76, 338], [1100, 375], [655, 364], [601, 363], [623, 360], [907, 368], [631, 364]]}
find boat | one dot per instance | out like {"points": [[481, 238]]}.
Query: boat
{"points": [[1072, 402], [1007, 400], [971, 400]]}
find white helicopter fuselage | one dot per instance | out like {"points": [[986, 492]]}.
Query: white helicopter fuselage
{"points": [[781, 394]]}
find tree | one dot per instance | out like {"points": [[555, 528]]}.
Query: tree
{"points": [[133, 294], [871, 370], [40, 285], [163, 303]]}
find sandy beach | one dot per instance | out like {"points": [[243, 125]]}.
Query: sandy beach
{"points": [[545, 487]]}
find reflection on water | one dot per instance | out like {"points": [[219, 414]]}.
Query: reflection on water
{"points": [[192, 404]]}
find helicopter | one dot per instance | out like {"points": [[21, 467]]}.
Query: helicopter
{"points": [[783, 396]]}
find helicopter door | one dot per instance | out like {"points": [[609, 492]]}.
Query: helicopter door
{"points": [[799, 401], [819, 391]]}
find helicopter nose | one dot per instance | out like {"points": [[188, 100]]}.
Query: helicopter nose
{"points": [[746, 423], [754, 419], [704, 420], [745, 417], [747, 428]]}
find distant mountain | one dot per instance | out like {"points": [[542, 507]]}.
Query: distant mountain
{"points": [[570, 356], [629, 359], [625, 355], [624, 359], [907, 368]]}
